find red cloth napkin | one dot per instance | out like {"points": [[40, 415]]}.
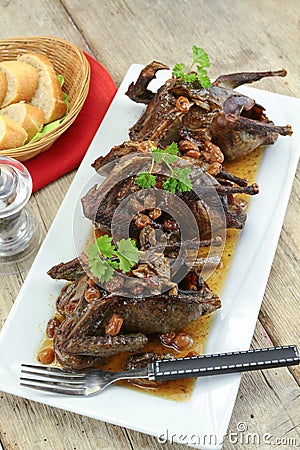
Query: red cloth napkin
{"points": [[67, 152]]}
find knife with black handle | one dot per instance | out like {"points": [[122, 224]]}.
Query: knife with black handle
{"points": [[223, 363]]}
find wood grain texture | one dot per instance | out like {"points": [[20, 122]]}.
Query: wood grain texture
{"points": [[239, 36]]}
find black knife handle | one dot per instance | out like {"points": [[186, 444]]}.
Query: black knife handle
{"points": [[222, 363]]}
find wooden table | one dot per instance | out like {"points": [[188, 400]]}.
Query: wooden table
{"points": [[243, 35]]}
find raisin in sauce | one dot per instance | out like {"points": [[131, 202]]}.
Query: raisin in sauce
{"points": [[181, 390]]}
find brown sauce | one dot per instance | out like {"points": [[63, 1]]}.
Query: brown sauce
{"points": [[181, 390]]}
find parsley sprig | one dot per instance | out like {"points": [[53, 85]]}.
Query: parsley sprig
{"points": [[104, 257], [179, 180], [200, 57]]}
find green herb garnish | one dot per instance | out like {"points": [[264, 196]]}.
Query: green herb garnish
{"points": [[179, 180], [200, 57], [104, 257], [146, 180]]}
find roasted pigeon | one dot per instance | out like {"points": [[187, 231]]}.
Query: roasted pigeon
{"points": [[233, 122]]}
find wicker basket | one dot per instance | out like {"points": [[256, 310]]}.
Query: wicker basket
{"points": [[69, 61]]}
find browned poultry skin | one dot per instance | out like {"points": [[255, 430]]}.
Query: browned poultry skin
{"points": [[70, 271], [100, 209], [233, 133], [82, 341]]}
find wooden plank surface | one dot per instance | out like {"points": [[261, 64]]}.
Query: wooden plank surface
{"points": [[239, 36]]}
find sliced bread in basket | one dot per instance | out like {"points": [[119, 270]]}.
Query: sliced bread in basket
{"points": [[3, 86], [28, 116], [48, 96], [11, 134], [21, 81]]}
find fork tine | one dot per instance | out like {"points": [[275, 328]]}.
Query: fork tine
{"points": [[76, 385], [55, 376], [56, 390], [51, 369]]}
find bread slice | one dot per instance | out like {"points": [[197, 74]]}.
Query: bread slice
{"points": [[49, 96], [28, 116], [22, 81], [3, 86], [12, 135]]}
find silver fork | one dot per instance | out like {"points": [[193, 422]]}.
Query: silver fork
{"points": [[60, 381], [91, 382]]}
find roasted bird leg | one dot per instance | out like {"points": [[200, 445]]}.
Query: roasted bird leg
{"points": [[233, 80]]}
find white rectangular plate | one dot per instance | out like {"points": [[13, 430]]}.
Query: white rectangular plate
{"points": [[208, 411]]}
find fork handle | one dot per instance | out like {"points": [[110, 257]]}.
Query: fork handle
{"points": [[223, 363]]}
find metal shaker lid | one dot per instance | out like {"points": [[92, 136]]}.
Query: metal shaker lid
{"points": [[15, 186]]}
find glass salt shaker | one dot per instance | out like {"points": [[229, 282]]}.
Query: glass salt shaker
{"points": [[19, 230]]}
